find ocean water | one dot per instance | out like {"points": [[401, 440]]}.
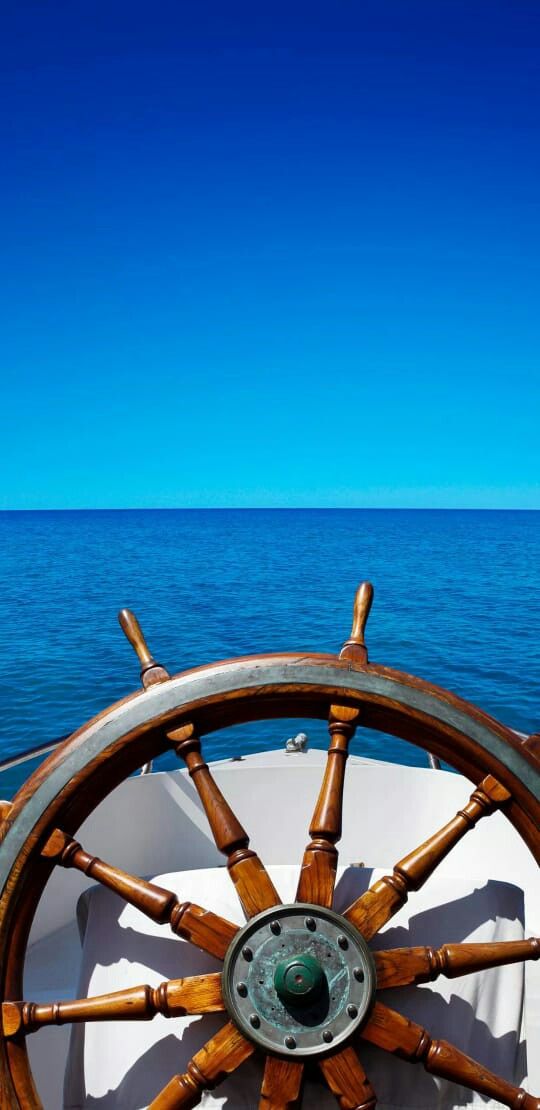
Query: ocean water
{"points": [[457, 601]]}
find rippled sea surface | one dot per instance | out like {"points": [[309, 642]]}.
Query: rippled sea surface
{"points": [[457, 601]]}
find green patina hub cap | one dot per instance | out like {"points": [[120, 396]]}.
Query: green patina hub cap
{"points": [[299, 981]]}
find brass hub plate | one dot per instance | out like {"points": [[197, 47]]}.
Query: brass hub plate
{"points": [[279, 945]]}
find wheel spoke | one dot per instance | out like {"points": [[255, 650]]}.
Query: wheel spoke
{"points": [[200, 994], [400, 967], [254, 886], [348, 1081], [318, 873], [202, 928], [211, 1065], [397, 1034], [374, 908], [282, 1083], [205, 929]]}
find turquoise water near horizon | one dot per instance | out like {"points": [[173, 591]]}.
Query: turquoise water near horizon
{"points": [[457, 601]]}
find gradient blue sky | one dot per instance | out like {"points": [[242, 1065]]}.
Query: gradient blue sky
{"points": [[270, 254]]}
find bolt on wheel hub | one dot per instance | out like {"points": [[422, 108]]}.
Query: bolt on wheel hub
{"points": [[297, 979]]}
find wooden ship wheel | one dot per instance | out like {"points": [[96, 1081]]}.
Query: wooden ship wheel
{"points": [[274, 987]]}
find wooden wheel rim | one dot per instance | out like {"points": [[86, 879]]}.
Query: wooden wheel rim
{"points": [[71, 782]]}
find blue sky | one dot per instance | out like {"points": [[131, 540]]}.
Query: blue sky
{"points": [[270, 254]]}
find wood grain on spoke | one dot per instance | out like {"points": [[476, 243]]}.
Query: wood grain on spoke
{"points": [[399, 967], [219, 1057], [374, 908], [348, 1081], [318, 873], [254, 886], [282, 1084], [397, 1034], [199, 994], [205, 929]]}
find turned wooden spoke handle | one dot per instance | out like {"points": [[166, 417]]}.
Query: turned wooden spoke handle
{"points": [[199, 994], [254, 887], [218, 1058], [378, 904], [355, 647], [230, 836], [319, 865], [151, 671], [205, 929], [397, 1034], [400, 967]]}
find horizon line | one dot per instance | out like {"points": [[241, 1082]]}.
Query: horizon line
{"points": [[274, 508]]}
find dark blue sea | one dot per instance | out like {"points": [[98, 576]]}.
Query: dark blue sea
{"points": [[457, 601]]}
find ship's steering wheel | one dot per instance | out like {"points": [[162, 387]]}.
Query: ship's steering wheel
{"points": [[290, 1016]]}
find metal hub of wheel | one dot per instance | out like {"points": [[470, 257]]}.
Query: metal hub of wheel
{"points": [[298, 979]]}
